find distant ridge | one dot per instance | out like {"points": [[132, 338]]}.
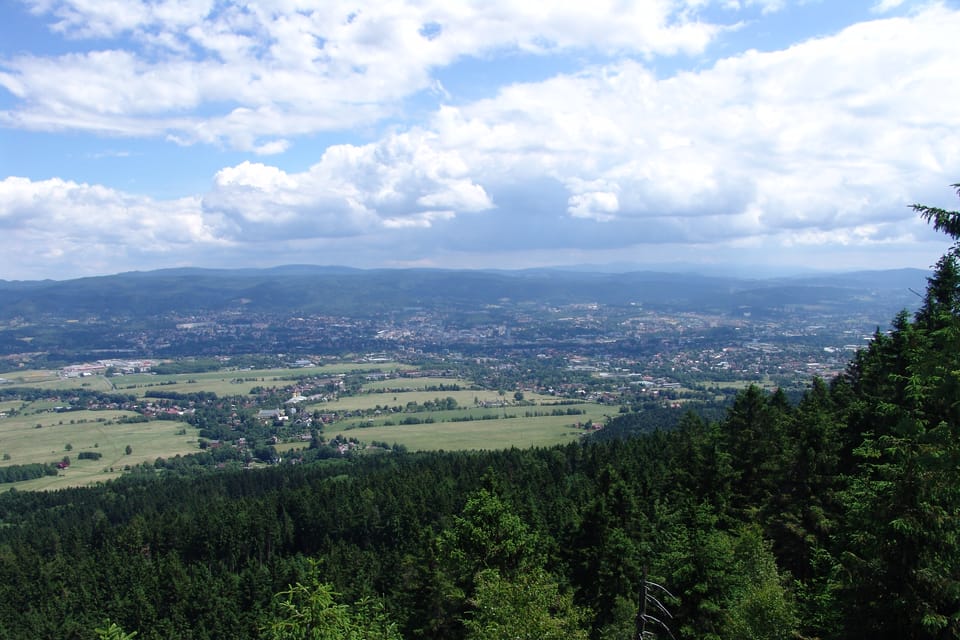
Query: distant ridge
{"points": [[368, 292]]}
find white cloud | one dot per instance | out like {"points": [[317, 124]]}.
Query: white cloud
{"points": [[251, 75], [883, 6], [766, 6], [598, 205], [56, 206], [820, 144], [827, 135], [418, 220], [56, 225], [401, 182]]}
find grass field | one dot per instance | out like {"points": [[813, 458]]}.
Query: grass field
{"points": [[37, 433], [29, 376], [237, 382], [9, 405], [473, 435], [414, 384], [24, 442], [49, 379], [765, 383], [464, 398], [466, 414]]}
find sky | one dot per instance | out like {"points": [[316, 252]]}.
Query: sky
{"points": [[759, 137]]}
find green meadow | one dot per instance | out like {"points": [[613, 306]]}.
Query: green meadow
{"points": [[47, 437], [49, 379], [500, 433], [238, 381], [414, 384], [34, 432], [372, 400]]}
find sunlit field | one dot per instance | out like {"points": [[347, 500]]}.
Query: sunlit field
{"points": [[46, 437], [499, 433], [239, 381], [480, 419]]}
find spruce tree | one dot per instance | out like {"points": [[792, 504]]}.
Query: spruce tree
{"points": [[901, 540]]}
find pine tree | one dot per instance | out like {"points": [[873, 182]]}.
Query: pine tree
{"points": [[902, 536]]}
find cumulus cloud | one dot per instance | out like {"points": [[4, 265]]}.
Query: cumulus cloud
{"points": [[55, 223], [832, 135], [823, 143], [252, 76], [59, 206], [402, 181]]}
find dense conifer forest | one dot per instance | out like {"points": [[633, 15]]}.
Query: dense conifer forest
{"points": [[836, 516]]}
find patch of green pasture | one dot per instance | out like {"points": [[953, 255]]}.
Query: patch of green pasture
{"points": [[29, 376], [49, 379], [464, 398], [766, 382], [85, 431], [80, 474], [540, 398], [284, 447], [52, 380], [224, 386], [224, 382], [293, 373], [465, 414], [11, 405], [456, 415], [90, 383], [473, 435], [349, 367], [232, 382], [42, 437], [90, 431], [39, 406], [414, 384]]}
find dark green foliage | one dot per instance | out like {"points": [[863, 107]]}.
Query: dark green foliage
{"points": [[191, 365], [309, 611], [20, 472], [113, 632], [943, 220], [528, 607]]}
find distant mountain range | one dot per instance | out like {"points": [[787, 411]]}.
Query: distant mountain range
{"points": [[359, 292]]}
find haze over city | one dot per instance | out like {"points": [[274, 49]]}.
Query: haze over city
{"points": [[714, 135]]}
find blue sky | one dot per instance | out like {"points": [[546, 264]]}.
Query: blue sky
{"points": [[759, 136]]}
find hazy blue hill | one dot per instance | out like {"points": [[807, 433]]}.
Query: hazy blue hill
{"points": [[347, 291], [884, 291]]}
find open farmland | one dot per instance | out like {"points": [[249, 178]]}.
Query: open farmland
{"points": [[50, 379], [413, 411], [363, 401], [44, 437], [237, 381], [499, 433], [224, 382], [413, 384]]}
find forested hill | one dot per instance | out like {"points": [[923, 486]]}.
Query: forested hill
{"points": [[836, 517], [354, 292], [833, 518]]}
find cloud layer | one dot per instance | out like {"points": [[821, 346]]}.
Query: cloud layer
{"points": [[814, 146], [263, 73]]}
